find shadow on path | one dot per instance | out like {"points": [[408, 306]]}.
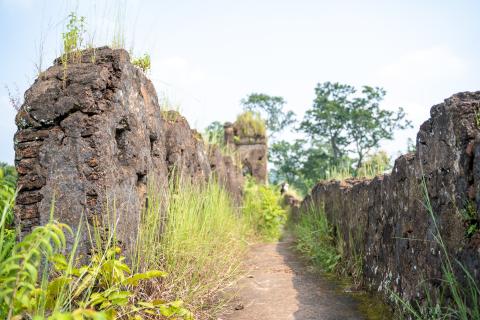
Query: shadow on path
{"points": [[279, 287]]}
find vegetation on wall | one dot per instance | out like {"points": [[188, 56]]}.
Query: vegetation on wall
{"points": [[250, 124]]}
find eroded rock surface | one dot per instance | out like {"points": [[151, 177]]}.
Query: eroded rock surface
{"points": [[251, 150], [91, 135], [384, 221]]}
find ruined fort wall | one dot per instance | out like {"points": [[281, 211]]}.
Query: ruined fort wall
{"points": [[92, 137], [384, 222]]}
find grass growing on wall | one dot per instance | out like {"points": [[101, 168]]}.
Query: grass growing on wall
{"points": [[314, 239], [262, 209], [461, 296], [250, 124], [200, 241]]}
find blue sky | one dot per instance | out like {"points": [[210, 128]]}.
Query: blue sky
{"points": [[207, 55]]}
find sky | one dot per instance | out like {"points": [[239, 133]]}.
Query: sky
{"points": [[208, 55]]}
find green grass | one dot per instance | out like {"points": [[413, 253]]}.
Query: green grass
{"points": [[460, 299], [314, 239], [250, 124], [199, 239]]}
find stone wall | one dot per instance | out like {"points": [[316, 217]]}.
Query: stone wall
{"points": [[383, 221], [251, 150], [91, 136]]}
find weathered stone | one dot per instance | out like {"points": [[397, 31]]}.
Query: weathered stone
{"points": [[90, 136], [252, 152], [384, 220]]}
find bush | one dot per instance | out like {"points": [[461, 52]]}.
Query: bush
{"points": [[263, 211], [143, 62], [250, 124]]}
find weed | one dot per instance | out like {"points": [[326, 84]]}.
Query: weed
{"points": [[142, 62], [469, 216], [250, 124], [463, 297], [315, 239], [194, 233]]}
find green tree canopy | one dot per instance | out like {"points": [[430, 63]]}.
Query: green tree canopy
{"points": [[271, 109], [350, 122]]}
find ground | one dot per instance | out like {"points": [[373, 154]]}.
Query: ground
{"points": [[279, 286]]}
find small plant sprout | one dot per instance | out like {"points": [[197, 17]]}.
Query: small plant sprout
{"points": [[143, 62]]}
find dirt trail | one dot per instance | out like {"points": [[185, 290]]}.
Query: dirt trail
{"points": [[279, 287]]}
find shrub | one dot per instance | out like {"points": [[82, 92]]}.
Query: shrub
{"points": [[38, 281], [262, 209], [314, 239], [250, 124]]}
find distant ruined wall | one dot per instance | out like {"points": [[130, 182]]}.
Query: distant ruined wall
{"points": [[252, 151], [97, 136], [384, 220]]}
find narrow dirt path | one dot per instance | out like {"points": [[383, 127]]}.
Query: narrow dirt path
{"points": [[279, 287]]}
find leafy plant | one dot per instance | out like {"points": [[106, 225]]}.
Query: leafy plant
{"points": [[73, 36], [143, 62], [262, 208]]}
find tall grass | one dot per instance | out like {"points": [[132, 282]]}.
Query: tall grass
{"points": [[193, 233], [460, 299], [314, 239]]}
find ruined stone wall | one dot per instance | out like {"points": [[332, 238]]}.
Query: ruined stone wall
{"points": [[384, 221], [91, 136], [251, 150]]}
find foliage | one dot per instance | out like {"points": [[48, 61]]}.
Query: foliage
{"points": [[250, 124], [462, 296], [262, 208], [271, 109], [314, 239], [195, 234], [143, 62], [214, 133], [38, 281], [8, 181], [73, 36], [349, 122], [375, 164]]}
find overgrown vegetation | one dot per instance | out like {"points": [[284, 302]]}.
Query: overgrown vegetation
{"points": [[38, 280], [262, 209], [250, 124], [199, 241], [314, 239]]}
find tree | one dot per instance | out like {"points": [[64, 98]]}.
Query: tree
{"points": [[368, 124], [349, 122], [326, 121], [271, 109], [214, 133]]}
